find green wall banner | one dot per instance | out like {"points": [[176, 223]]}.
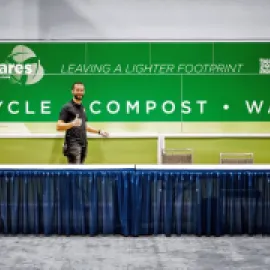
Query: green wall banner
{"points": [[137, 81]]}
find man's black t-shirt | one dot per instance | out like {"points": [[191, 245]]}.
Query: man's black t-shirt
{"points": [[68, 114]]}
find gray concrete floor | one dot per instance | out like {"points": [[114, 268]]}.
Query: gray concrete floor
{"points": [[29, 252]]}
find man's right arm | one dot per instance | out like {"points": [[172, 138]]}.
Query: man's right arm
{"points": [[62, 126], [63, 123]]}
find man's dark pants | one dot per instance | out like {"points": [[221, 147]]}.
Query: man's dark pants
{"points": [[76, 153]]}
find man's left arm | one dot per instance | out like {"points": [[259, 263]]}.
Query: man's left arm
{"points": [[96, 131]]}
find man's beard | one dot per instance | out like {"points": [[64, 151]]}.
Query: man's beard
{"points": [[78, 97]]}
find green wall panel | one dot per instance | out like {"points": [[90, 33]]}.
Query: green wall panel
{"points": [[101, 151], [207, 151], [129, 151]]}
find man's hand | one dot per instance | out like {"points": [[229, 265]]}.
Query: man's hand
{"points": [[104, 133], [77, 122]]}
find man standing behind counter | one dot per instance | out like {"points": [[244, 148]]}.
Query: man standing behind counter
{"points": [[73, 120]]}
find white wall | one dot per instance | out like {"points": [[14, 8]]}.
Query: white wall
{"points": [[134, 19]]}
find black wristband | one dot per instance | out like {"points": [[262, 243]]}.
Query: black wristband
{"points": [[99, 132]]}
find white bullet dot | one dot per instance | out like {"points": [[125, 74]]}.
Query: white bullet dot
{"points": [[226, 107]]}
